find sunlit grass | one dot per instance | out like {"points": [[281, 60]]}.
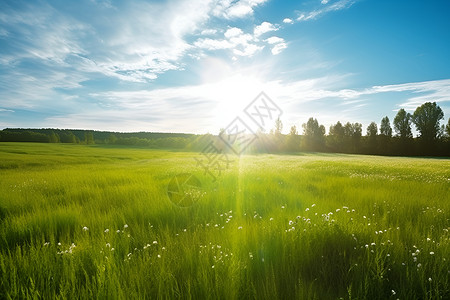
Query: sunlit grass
{"points": [[96, 222]]}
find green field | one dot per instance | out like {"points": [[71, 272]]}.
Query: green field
{"points": [[96, 222]]}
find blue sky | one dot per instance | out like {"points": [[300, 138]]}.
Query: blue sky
{"points": [[193, 65]]}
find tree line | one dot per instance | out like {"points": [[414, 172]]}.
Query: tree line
{"points": [[386, 139], [88, 137], [433, 139]]}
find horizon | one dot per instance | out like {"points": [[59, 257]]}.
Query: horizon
{"points": [[193, 66]]}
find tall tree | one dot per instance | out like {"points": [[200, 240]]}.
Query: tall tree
{"points": [[335, 139], [89, 138], [313, 129], [293, 141], [353, 130], [426, 118], [447, 128], [372, 130], [402, 124], [53, 137], [337, 130], [313, 135], [278, 126], [293, 130], [352, 136], [385, 127]]}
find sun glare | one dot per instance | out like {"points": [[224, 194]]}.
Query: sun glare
{"points": [[230, 87], [231, 94]]}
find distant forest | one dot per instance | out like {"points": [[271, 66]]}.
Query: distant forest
{"points": [[432, 140]]}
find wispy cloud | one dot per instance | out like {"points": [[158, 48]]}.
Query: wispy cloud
{"points": [[417, 93], [196, 108], [325, 8], [426, 91], [208, 31], [100, 64], [138, 50]]}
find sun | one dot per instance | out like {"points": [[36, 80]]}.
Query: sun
{"points": [[232, 95], [231, 87]]}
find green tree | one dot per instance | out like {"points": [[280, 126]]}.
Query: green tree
{"points": [[447, 128], [372, 130], [54, 138], [353, 130], [68, 137], [313, 135], [337, 130], [112, 139], [385, 127], [426, 118], [352, 137], [402, 124], [278, 126], [89, 138], [293, 140], [294, 131], [335, 139]]}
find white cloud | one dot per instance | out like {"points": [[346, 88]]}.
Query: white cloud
{"points": [[274, 40], [339, 5], [242, 39], [263, 28], [435, 91], [248, 50], [431, 91], [288, 21], [6, 110], [209, 32], [241, 44], [138, 50], [278, 48], [324, 1], [236, 9], [279, 44], [211, 44], [232, 32]]}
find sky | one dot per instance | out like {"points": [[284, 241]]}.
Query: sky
{"points": [[194, 65]]}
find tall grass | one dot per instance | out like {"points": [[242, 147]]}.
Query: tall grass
{"points": [[96, 222]]}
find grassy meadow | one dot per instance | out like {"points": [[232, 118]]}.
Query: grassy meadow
{"points": [[96, 222]]}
